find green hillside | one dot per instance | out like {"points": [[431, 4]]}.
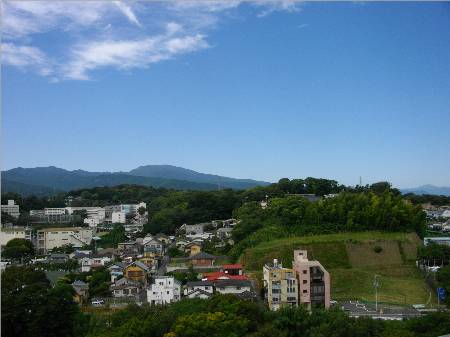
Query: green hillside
{"points": [[352, 262]]}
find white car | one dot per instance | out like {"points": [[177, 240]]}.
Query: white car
{"points": [[98, 303]]}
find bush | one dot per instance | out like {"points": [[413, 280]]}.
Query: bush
{"points": [[377, 249]]}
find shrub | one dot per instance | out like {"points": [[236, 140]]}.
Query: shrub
{"points": [[377, 249]]}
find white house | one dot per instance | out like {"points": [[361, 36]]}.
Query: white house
{"points": [[87, 263], [446, 213], [92, 222], [165, 289]]}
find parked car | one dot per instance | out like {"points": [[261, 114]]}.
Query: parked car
{"points": [[98, 302]]}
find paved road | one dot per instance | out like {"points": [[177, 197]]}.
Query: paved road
{"points": [[358, 309]]}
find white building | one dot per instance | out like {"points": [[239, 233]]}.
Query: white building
{"points": [[87, 263], [54, 211], [128, 209], [118, 217], [49, 238], [11, 208], [440, 240], [92, 212], [8, 234], [446, 213], [165, 289], [92, 222]]}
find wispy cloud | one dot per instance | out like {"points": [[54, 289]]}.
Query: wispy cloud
{"points": [[111, 34], [25, 58], [130, 54]]}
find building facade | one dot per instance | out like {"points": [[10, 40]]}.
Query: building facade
{"points": [[11, 208], [164, 290], [8, 234], [50, 238], [313, 279], [280, 286]]}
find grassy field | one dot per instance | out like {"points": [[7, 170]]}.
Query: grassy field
{"points": [[352, 262]]}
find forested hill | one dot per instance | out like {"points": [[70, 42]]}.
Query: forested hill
{"points": [[50, 180]]}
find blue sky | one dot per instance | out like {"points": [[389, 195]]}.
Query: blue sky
{"points": [[253, 89]]}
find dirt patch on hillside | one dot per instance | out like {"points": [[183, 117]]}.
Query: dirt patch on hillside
{"points": [[363, 254]]}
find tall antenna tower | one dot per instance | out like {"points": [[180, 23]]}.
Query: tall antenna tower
{"points": [[360, 181]]}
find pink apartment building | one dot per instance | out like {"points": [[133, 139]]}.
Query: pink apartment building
{"points": [[313, 281]]}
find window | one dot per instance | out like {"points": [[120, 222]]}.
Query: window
{"points": [[305, 271], [305, 281], [305, 291], [238, 288], [167, 292]]}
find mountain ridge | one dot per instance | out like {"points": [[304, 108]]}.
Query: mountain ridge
{"points": [[44, 180]]}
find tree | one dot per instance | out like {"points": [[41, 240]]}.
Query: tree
{"points": [[18, 249], [141, 210], [30, 307]]}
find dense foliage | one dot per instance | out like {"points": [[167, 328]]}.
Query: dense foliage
{"points": [[31, 307], [434, 254], [227, 316], [18, 249], [437, 200], [115, 236], [348, 211]]}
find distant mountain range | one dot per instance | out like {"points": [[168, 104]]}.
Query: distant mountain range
{"points": [[48, 180], [428, 189]]}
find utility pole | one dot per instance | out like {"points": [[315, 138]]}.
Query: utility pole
{"points": [[376, 284]]}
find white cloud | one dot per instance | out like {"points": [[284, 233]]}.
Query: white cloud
{"points": [[126, 10], [92, 34], [25, 57], [129, 54]]}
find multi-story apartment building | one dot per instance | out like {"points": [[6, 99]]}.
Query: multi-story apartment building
{"points": [[11, 208], [8, 234], [165, 289], [49, 238], [280, 285], [313, 279]]}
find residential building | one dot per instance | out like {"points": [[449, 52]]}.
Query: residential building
{"points": [[81, 292], [10, 233], [136, 271], [193, 229], [94, 261], [219, 275], [165, 289], [154, 246], [193, 248], [50, 238], [11, 208], [58, 258], [232, 286], [224, 232], [313, 280], [232, 269], [202, 259], [446, 213], [280, 286], [126, 288], [442, 240], [54, 211], [116, 270], [191, 289]]}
